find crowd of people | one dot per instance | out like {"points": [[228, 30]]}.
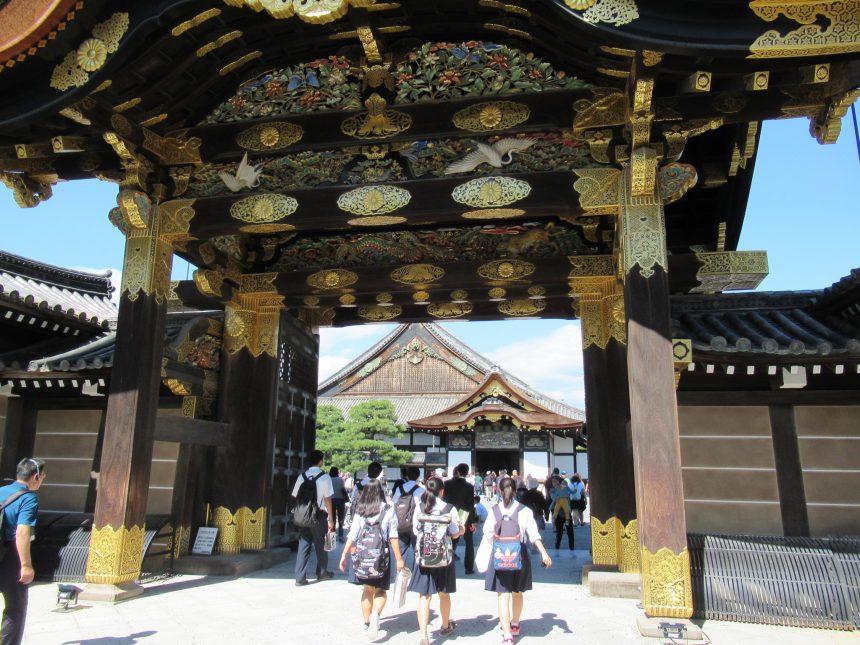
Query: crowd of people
{"points": [[426, 520]]}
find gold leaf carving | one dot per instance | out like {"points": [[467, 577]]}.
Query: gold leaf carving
{"points": [[146, 268], [494, 213], [449, 309], [373, 200], [666, 585], [496, 293], [524, 307], [506, 270], [496, 115], [629, 555], [643, 225], [376, 220], [598, 190], [196, 21], [837, 33], [263, 209], [332, 279], [613, 12], [175, 220], [377, 122], [208, 283], [270, 136], [604, 541], [91, 55], [730, 271], [378, 313], [491, 191], [417, 274], [114, 554]]}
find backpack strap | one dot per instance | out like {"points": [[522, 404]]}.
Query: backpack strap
{"points": [[447, 508], [14, 496], [497, 513]]}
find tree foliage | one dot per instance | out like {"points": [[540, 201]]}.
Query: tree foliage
{"points": [[350, 443]]}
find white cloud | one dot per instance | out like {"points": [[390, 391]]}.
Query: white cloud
{"points": [[331, 364], [551, 364]]}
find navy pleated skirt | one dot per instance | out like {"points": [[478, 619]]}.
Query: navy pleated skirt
{"points": [[510, 581], [429, 581]]}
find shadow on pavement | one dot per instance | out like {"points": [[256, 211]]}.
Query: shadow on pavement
{"points": [[131, 639]]}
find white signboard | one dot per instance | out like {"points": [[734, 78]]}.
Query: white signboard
{"points": [[205, 541]]}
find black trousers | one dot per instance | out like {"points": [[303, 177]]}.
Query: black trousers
{"points": [[469, 560], [14, 597], [338, 505], [560, 524], [312, 538]]}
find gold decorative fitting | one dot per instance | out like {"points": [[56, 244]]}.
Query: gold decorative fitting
{"points": [[598, 190], [177, 387], [127, 105], [826, 128], [263, 209], [258, 283], [629, 556], [383, 298], [219, 42], [347, 300], [369, 44], [522, 307], [651, 58], [598, 144], [154, 120], [537, 291], [506, 270], [604, 541], [504, 6], [378, 313], [175, 220], [507, 29], [418, 274], [251, 323], [757, 81], [146, 267], [449, 309], [373, 200], [675, 180], [580, 5], [643, 226], [376, 220], [114, 554], [196, 21], [311, 301], [608, 109], [332, 279], [244, 530], [828, 27], [613, 12], [491, 191], [497, 293], [459, 294], [666, 586], [239, 62], [317, 317], [274, 135], [377, 122], [91, 55], [643, 172], [208, 283], [700, 81], [730, 271], [591, 265], [496, 115], [420, 297], [494, 213]]}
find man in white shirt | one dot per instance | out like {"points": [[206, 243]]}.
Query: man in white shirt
{"points": [[314, 537]]}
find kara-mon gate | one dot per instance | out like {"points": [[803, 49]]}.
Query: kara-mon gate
{"points": [[334, 162]]}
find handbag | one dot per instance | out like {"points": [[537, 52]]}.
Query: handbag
{"points": [[482, 557]]}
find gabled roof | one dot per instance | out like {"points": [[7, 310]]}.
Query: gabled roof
{"points": [[496, 398], [478, 366], [74, 295]]}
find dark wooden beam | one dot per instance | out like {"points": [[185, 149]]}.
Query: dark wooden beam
{"points": [[178, 429], [789, 472], [762, 397]]}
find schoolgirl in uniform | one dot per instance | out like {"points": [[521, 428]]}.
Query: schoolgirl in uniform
{"points": [[510, 585], [371, 507], [437, 580]]}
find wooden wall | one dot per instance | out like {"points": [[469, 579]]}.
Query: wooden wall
{"points": [[729, 471], [829, 442], [431, 375]]}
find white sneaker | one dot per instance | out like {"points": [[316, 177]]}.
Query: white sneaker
{"points": [[373, 629]]}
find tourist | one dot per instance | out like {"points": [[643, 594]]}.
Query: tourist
{"points": [[371, 542], [374, 470], [408, 487], [478, 483], [314, 536], [518, 481], [489, 484], [577, 499], [509, 585], [461, 494], [536, 502], [20, 507], [436, 525], [338, 500], [481, 512], [560, 512]]}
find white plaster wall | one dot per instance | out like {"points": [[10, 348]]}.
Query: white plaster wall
{"points": [[536, 464], [582, 464], [563, 444], [458, 457], [425, 439], [564, 462]]}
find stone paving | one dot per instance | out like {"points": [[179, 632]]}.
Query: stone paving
{"points": [[266, 608]]}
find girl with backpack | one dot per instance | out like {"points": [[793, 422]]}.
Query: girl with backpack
{"points": [[371, 542], [435, 524], [508, 527]]}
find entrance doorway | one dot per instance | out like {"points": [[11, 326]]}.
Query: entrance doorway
{"points": [[497, 460]]}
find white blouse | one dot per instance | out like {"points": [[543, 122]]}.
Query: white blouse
{"points": [[453, 524], [389, 523], [525, 520]]}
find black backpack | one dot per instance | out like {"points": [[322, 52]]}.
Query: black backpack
{"points": [[306, 511], [3, 544], [404, 509], [371, 555]]}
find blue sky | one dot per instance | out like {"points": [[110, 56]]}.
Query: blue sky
{"points": [[802, 210]]}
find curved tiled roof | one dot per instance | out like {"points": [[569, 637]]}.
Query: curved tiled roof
{"points": [[788, 323], [84, 297]]}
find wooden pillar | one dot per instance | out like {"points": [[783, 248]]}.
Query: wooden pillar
{"points": [[19, 436], [789, 472], [116, 540], [249, 374], [92, 487], [666, 587]]}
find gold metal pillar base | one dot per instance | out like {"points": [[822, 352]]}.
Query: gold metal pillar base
{"points": [[244, 530], [93, 592], [666, 584], [115, 555], [604, 541], [629, 560]]}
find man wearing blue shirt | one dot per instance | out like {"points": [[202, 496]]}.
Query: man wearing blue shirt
{"points": [[16, 567]]}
